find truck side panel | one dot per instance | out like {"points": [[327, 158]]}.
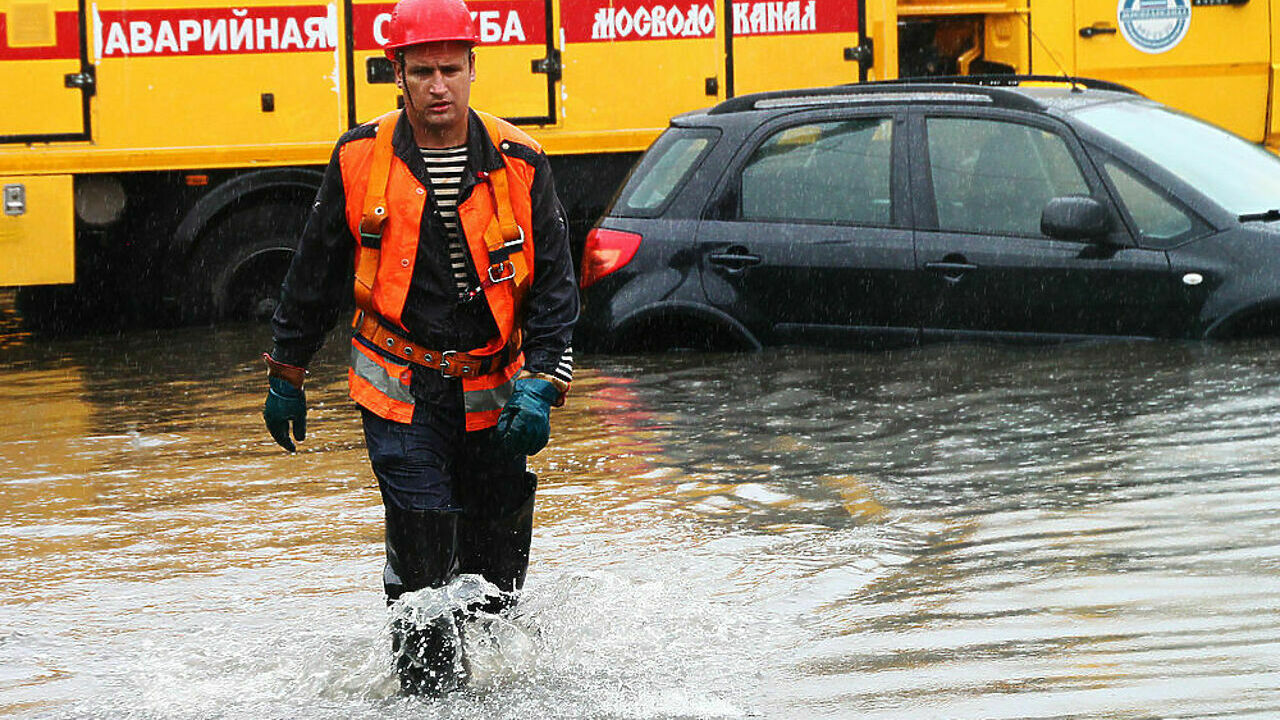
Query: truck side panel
{"points": [[37, 230], [766, 33], [179, 76], [632, 64], [1213, 61]]}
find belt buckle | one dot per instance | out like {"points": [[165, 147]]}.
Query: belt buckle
{"points": [[445, 364], [506, 271]]}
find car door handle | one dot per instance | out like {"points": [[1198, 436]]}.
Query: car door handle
{"points": [[950, 268], [952, 272], [735, 258]]}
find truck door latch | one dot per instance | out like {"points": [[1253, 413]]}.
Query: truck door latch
{"points": [[549, 65], [862, 54], [86, 80], [15, 199]]}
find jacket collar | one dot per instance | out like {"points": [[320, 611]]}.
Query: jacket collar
{"points": [[406, 148], [482, 154]]}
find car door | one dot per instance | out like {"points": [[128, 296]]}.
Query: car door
{"points": [[807, 241], [983, 181]]}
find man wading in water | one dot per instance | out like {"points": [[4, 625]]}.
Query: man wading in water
{"points": [[460, 346]]}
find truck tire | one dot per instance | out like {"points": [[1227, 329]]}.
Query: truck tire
{"points": [[236, 271]]}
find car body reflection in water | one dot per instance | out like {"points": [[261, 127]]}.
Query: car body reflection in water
{"points": [[1079, 531]]}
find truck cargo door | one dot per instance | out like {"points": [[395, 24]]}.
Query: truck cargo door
{"points": [[187, 81], [629, 65], [517, 65], [1207, 57], [45, 82], [779, 44]]}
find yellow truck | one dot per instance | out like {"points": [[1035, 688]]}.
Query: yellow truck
{"points": [[162, 154]]}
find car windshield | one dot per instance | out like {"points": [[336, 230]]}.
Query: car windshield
{"points": [[1233, 172]]}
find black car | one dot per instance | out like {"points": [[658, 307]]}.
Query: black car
{"points": [[1018, 208]]}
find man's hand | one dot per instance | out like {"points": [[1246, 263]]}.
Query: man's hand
{"points": [[286, 403], [525, 423]]}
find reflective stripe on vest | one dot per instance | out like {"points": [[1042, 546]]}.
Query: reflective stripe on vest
{"points": [[380, 384], [485, 396]]}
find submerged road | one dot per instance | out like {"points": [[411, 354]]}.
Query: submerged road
{"points": [[1087, 531]]}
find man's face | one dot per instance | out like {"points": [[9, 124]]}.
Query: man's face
{"points": [[437, 81]]}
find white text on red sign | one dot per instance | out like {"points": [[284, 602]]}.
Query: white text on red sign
{"points": [[211, 31]]}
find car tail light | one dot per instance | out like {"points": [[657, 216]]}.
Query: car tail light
{"points": [[606, 251]]}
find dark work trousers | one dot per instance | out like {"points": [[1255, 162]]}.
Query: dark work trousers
{"points": [[432, 465]]}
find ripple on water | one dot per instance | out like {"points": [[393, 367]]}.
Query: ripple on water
{"points": [[1074, 532]]}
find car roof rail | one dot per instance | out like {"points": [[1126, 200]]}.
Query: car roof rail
{"points": [[990, 89], [1012, 80]]}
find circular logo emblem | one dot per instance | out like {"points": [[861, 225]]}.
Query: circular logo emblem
{"points": [[1154, 26]]}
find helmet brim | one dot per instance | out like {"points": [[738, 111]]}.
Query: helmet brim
{"points": [[390, 50]]}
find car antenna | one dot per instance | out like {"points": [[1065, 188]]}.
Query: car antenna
{"points": [[1075, 86]]}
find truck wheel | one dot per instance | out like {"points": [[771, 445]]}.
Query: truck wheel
{"points": [[248, 287], [237, 270]]}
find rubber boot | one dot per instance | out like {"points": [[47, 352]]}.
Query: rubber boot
{"points": [[422, 553], [493, 541]]}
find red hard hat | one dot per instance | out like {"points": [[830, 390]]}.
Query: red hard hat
{"points": [[414, 22]]}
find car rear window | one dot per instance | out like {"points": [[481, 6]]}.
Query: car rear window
{"points": [[663, 168]]}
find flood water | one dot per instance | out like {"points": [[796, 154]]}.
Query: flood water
{"points": [[1086, 531]]}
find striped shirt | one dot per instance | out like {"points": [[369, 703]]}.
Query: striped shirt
{"points": [[445, 167], [564, 371]]}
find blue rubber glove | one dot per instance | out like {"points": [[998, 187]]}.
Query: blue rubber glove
{"points": [[525, 423], [285, 404]]}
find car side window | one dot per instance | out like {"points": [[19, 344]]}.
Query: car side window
{"points": [[992, 176], [1159, 221], [830, 172]]}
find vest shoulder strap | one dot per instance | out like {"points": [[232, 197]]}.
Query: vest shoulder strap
{"points": [[511, 234], [374, 212]]}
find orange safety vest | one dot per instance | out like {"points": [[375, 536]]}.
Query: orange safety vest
{"points": [[384, 209]]}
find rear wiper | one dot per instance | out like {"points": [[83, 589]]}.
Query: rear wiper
{"points": [[1267, 216]]}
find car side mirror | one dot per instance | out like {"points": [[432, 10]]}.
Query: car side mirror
{"points": [[1075, 217]]}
